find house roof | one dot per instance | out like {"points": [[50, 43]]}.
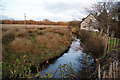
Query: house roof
{"points": [[88, 16]]}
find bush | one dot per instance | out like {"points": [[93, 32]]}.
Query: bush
{"points": [[7, 37], [93, 43], [74, 26], [84, 35], [21, 45], [74, 23]]}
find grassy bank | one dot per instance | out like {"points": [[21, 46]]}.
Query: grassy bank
{"points": [[101, 48], [25, 48]]}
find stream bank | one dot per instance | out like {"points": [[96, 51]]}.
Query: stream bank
{"points": [[70, 58]]}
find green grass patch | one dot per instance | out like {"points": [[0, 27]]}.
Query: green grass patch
{"points": [[113, 43]]}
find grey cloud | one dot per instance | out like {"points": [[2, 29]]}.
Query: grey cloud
{"points": [[61, 6]]}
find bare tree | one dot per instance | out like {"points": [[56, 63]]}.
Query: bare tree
{"points": [[105, 11]]}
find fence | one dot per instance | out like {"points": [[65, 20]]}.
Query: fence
{"points": [[113, 70], [112, 43], [110, 67], [109, 70]]}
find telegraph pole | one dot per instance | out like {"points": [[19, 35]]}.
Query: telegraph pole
{"points": [[24, 18]]}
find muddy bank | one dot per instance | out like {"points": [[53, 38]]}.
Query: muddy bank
{"points": [[51, 60]]}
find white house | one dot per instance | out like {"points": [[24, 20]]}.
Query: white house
{"points": [[90, 23]]}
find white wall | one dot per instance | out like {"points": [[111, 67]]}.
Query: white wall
{"points": [[89, 23]]}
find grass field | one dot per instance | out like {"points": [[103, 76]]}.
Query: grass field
{"points": [[31, 45]]}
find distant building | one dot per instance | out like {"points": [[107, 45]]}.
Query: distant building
{"points": [[90, 23]]}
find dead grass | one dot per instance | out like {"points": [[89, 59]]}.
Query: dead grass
{"points": [[93, 43], [38, 44], [7, 37], [21, 45]]}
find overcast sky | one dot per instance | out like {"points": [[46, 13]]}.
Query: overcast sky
{"points": [[55, 10]]}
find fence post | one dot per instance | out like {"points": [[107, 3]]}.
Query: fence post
{"points": [[107, 44], [99, 71], [116, 67], [104, 73], [115, 43], [118, 41], [114, 70], [110, 71]]}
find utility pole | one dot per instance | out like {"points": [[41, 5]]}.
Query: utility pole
{"points": [[24, 18]]}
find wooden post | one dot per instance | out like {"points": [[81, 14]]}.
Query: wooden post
{"points": [[117, 42], [110, 71], [116, 68], [101, 32], [118, 71], [114, 42], [113, 70], [99, 72], [108, 46], [104, 73]]}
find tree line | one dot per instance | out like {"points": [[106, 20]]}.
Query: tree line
{"points": [[44, 22]]}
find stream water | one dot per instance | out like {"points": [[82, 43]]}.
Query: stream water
{"points": [[71, 57]]}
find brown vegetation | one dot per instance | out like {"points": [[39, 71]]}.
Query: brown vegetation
{"points": [[93, 43], [36, 45], [74, 27], [44, 22]]}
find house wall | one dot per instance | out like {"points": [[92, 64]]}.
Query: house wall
{"points": [[90, 23]]}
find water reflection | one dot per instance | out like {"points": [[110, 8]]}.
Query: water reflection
{"points": [[70, 58]]}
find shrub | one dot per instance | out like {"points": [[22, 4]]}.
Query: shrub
{"points": [[42, 40], [41, 32], [74, 23], [63, 31], [4, 29], [74, 26], [93, 43], [21, 45], [21, 32], [21, 69], [87, 66], [7, 37], [84, 35]]}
